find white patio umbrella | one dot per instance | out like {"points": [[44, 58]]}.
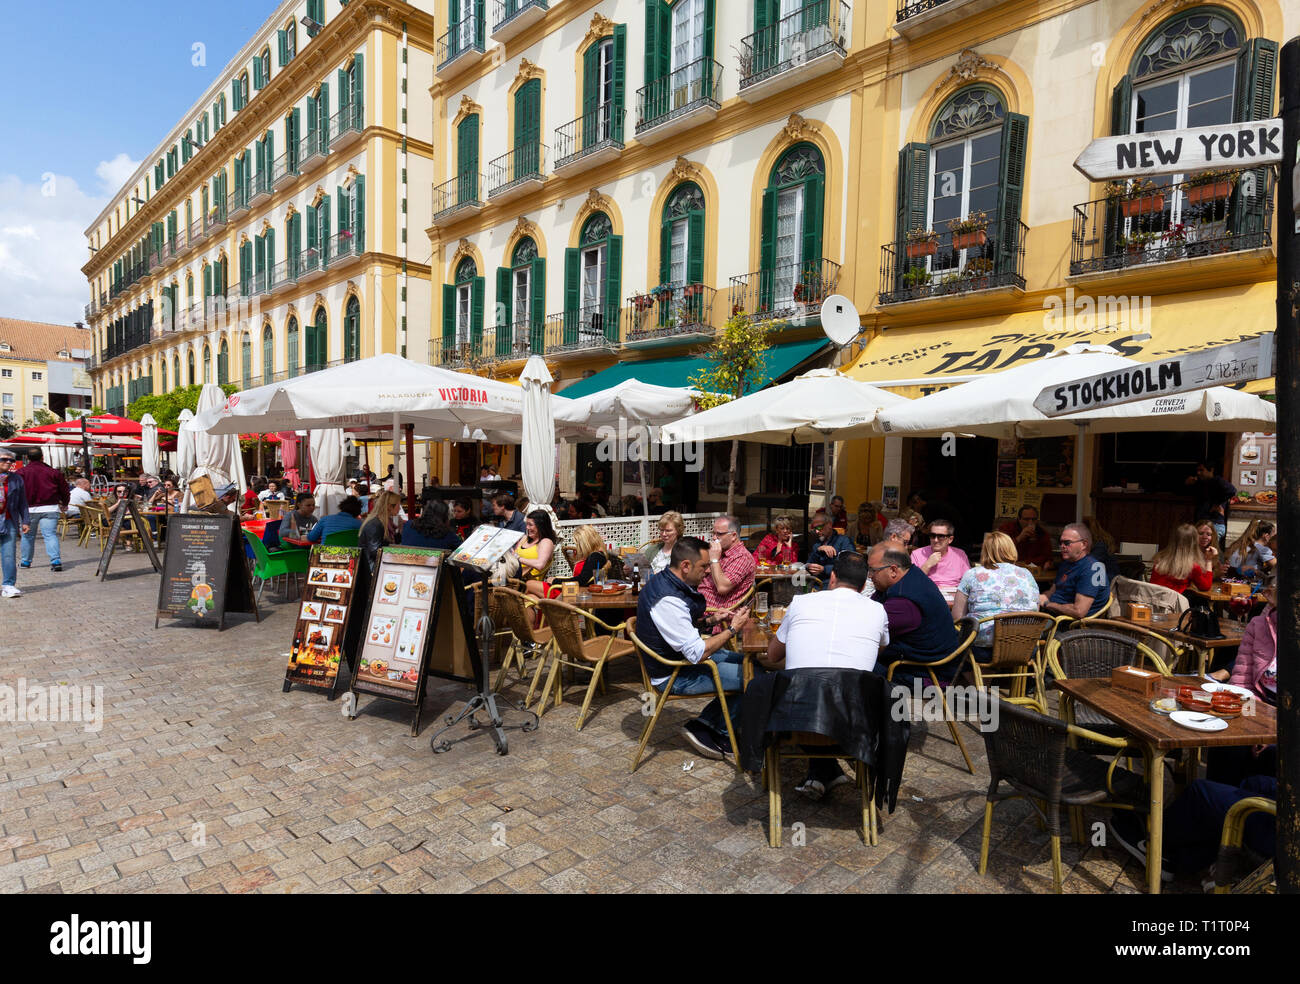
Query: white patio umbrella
{"points": [[327, 460], [185, 434], [149, 454], [216, 455], [538, 447]]}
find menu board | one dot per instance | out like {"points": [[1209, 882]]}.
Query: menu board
{"points": [[485, 546], [205, 573], [1029, 468], [325, 633], [127, 506], [397, 627], [1252, 468]]}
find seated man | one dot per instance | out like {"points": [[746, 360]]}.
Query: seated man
{"points": [[507, 516], [78, 497], [731, 569], [1082, 585], [899, 533], [669, 611], [345, 519], [826, 546], [837, 628], [943, 563], [1033, 545], [920, 622]]}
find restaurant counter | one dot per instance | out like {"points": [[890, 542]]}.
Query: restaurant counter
{"points": [[1142, 517]]}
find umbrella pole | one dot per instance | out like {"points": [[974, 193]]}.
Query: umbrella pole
{"points": [[410, 469], [397, 449], [1078, 473]]}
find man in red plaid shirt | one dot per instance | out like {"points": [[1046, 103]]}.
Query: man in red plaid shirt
{"points": [[731, 568]]}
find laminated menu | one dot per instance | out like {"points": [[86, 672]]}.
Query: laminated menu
{"points": [[485, 546], [323, 637]]}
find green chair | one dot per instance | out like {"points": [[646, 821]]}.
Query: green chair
{"points": [[342, 538], [267, 565]]}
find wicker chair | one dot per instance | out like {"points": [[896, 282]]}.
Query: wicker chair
{"points": [[516, 613], [91, 516], [1029, 752], [1171, 654], [573, 648], [673, 667], [1234, 856], [1020, 641], [966, 636]]}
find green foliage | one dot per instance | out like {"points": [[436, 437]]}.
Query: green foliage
{"points": [[735, 361], [6, 430], [166, 407], [40, 417]]}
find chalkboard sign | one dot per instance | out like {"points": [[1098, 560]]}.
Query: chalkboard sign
{"points": [[329, 624], [127, 505], [205, 572]]}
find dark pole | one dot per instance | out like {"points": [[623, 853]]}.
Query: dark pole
{"points": [[410, 469], [1287, 862], [85, 448]]}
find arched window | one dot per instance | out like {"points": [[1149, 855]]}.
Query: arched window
{"points": [[207, 365], [318, 341], [162, 375], [291, 347], [462, 310], [268, 353], [246, 361], [603, 83], [593, 277], [681, 236], [521, 300], [352, 330], [192, 379], [176, 370], [791, 245], [223, 364]]}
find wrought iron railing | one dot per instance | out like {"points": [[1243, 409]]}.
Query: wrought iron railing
{"points": [[526, 163], [262, 184], [315, 144], [504, 11], [197, 233], [906, 10], [785, 290], [668, 310], [342, 246], [462, 191], [237, 202], [349, 119], [590, 327], [285, 168], [1203, 215], [302, 370], [794, 40], [311, 260], [462, 36], [690, 87], [500, 343], [601, 128], [954, 263]]}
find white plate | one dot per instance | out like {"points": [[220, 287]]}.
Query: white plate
{"points": [[1213, 686], [1197, 721]]}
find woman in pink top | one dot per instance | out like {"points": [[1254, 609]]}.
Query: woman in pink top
{"points": [[1256, 666], [941, 561]]}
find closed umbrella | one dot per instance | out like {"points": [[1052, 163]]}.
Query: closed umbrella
{"points": [[149, 445], [289, 457], [327, 460], [185, 450], [538, 448], [215, 455]]}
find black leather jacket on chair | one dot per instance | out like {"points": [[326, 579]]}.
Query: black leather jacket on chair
{"points": [[852, 707], [370, 539]]}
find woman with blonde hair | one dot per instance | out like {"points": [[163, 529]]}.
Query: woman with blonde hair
{"points": [[1207, 539], [1179, 564], [382, 527], [590, 556], [671, 529], [870, 530], [1250, 552], [994, 586]]}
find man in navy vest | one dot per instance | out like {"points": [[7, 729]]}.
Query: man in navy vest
{"points": [[920, 622], [670, 614]]}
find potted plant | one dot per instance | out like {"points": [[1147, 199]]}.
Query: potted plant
{"points": [[970, 231], [922, 242], [917, 276], [1138, 197], [1210, 186], [643, 302], [978, 271], [1137, 242]]}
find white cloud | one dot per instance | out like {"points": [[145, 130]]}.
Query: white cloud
{"points": [[113, 174]]}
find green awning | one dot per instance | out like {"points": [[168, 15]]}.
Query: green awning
{"points": [[781, 359]]}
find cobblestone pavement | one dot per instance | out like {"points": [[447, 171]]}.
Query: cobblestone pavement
{"points": [[206, 777]]}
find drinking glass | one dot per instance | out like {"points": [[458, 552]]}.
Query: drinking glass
{"points": [[776, 616], [760, 606]]}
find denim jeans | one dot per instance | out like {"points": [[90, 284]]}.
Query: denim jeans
{"points": [[48, 524], [699, 680], [9, 537]]}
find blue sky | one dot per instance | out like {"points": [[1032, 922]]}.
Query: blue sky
{"points": [[101, 85]]}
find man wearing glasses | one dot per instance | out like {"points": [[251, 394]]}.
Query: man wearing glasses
{"points": [[826, 547], [731, 568], [1082, 586], [940, 560], [14, 522]]}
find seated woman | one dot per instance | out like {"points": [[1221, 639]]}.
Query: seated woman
{"points": [[535, 551], [1179, 564], [778, 547], [296, 523], [1250, 553], [671, 529], [1207, 540], [590, 557], [1256, 666], [870, 530], [432, 528], [994, 586], [382, 528]]}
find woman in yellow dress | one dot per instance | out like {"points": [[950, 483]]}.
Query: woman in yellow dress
{"points": [[535, 551]]}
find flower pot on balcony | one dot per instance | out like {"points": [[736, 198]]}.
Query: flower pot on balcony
{"points": [[1144, 205], [925, 247], [1213, 192], [967, 240]]}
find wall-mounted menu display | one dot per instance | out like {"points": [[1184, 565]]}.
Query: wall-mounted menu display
{"points": [[324, 634]]}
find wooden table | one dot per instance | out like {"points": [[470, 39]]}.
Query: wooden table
{"points": [[591, 602], [1166, 625], [1159, 735], [1218, 593], [1043, 575]]}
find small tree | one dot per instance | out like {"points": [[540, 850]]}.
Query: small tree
{"points": [[40, 417], [736, 361], [166, 407]]}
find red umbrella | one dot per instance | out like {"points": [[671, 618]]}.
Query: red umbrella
{"points": [[104, 425]]}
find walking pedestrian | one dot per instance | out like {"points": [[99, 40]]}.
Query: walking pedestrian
{"points": [[47, 496], [14, 521]]}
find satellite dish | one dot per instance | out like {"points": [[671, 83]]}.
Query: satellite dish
{"points": [[840, 320]]}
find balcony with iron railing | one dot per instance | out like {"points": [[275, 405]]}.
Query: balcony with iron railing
{"points": [[1210, 214], [501, 343], [311, 263], [463, 193], [303, 370], [678, 100], [314, 147], [954, 263], [516, 173], [215, 220], [343, 247], [510, 17], [791, 291], [197, 232], [462, 44], [589, 141], [585, 329], [284, 171], [810, 42], [669, 313], [237, 202], [261, 187], [919, 17], [346, 126]]}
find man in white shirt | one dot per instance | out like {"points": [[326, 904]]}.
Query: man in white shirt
{"points": [[840, 628], [79, 496]]}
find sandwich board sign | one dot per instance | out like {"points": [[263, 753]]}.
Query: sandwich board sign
{"points": [[1223, 365], [1253, 143]]}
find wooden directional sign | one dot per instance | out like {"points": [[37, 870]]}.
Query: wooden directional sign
{"points": [[1231, 145], [1224, 365]]}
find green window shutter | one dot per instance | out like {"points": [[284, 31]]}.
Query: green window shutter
{"points": [[620, 80], [537, 306], [448, 317], [359, 215], [652, 41], [695, 232], [913, 189], [590, 89], [270, 156], [767, 249], [1015, 138], [323, 116], [259, 250], [345, 91], [283, 42], [239, 181], [323, 214], [207, 282], [296, 122], [477, 290], [313, 231], [572, 291], [313, 116], [665, 249], [467, 160], [343, 210], [291, 349], [234, 94], [1256, 69], [257, 72], [505, 302], [270, 248], [479, 19], [358, 99], [1121, 107], [268, 350], [245, 268], [709, 20], [613, 286]]}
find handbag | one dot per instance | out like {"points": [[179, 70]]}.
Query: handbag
{"points": [[1200, 623]]}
